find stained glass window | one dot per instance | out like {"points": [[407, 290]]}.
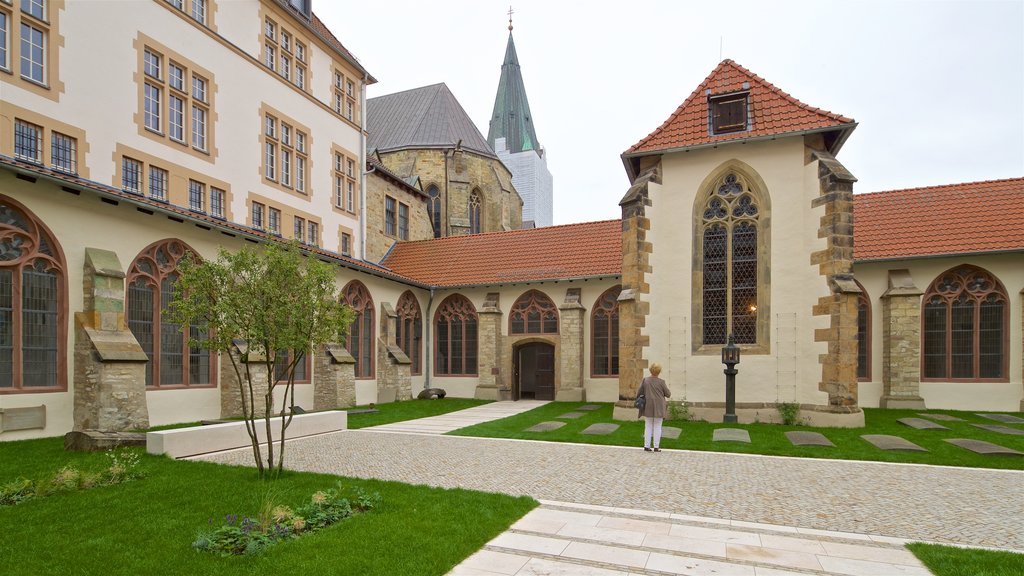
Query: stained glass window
{"points": [[456, 332], [605, 333], [533, 313], [361, 334], [410, 329]]}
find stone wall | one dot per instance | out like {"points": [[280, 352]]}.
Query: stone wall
{"points": [[333, 378], [378, 242], [490, 346], [569, 388], [393, 365]]}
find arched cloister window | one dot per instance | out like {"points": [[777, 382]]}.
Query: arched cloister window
{"points": [[33, 304], [728, 250], [456, 335], [360, 339], [604, 334], [410, 329], [533, 313], [434, 209], [475, 225], [151, 279], [965, 326], [863, 335]]}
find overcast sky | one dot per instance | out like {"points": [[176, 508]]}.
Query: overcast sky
{"points": [[936, 86]]}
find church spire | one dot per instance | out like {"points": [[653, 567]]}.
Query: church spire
{"points": [[511, 118]]}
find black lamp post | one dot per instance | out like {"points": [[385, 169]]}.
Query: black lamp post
{"points": [[730, 357]]}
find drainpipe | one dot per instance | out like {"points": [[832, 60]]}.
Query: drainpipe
{"points": [[447, 232], [427, 345], [362, 168]]}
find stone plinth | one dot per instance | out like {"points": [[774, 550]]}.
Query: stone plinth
{"points": [[393, 366], [490, 340], [234, 391], [901, 343], [569, 388], [333, 378]]}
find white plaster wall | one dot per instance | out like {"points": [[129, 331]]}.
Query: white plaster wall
{"points": [[795, 282]]}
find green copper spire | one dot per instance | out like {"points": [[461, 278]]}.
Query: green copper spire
{"points": [[511, 119]]}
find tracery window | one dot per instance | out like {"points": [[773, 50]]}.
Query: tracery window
{"points": [[360, 339], [151, 279], [434, 209], [966, 326], [863, 335], [33, 317], [474, 213], [410, 329], [729, 261], [456, 330], [604, 334], [533, 313]]}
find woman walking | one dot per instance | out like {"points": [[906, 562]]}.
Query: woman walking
{"points": [[655, 391]]}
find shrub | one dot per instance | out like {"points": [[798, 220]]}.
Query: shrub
{"points": [[790, 412], [124, 466]]}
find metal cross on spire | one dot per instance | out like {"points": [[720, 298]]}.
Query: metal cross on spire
{"points": [[510, 12]]}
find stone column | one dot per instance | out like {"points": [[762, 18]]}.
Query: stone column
{"points": [[901, 343], [110, 366], [234, 392], [491, 384], [393, 366], [334, 378], [570, 359]]}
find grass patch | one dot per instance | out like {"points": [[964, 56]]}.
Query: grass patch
{"points": [[410, 410], [953, 561], [147, 526], [770, 438]]}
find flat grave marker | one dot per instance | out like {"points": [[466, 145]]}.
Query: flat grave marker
{"points": [[886, 442], [1004, 418], [808, 439], [731, 435], [982, 447], [545, 427], [921, 424], [600, 429], [1000, 429]]}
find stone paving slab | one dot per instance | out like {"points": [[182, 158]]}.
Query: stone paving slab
{"points": [[982, 447], [943, 417], [671, 432], [887, 442], [1000, 429], [571, 415], [808, 439], [545, 427], [589, 407], [600, 429], [1005, 418], [731, 435], [921, 424]]}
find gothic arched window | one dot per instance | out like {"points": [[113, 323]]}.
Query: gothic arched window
{"points": [[434, 209], [863, 335], [475, 226], [966, 327], [33, 297], [360, 334], [151, 279], [604, 334], [533, 313], [410, 329], [456, 330], [729, 238]]}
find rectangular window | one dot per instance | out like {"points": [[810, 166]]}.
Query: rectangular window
{"points": [[286, 134], [3, 41], [299, 229], [403, 222], [176, 76], [348, 88], [270, 126], [338, 191], [198, 127], [131, 175], [300, 141], [286, 167], [157, 183], [34, 8], [33, 53], [300, 51], [337, 80], [196, 196], [177, 4], [286, 67], [176, 118], [216, 202], [337, 102], [314, 233], [28, 141], [199, 88], [729, 114], [300, 77], [271, 57], [389, 215], [257, 215], [346, 244], [300, 174], [350, 111], [63, 153], [151, 111], [199, 11], [350, 195], [351, 168], [269, 160], [270, 29], [274, 221], [151, 64], [286, 41]]}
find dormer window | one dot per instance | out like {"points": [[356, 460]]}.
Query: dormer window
{"points": [[728, 113]]}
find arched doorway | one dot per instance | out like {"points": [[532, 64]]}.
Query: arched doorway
{"points": [[534, 371]]}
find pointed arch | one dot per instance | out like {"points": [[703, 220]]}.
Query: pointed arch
{"points": [[475, 212], [731, 251], [604, 333], [410, 330], [456, 337], [33, 303], [361, 338], [965, 327], [533, 313], [434, 209]]}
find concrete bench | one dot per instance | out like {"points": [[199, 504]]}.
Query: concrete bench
{"points": [[183, 442]]}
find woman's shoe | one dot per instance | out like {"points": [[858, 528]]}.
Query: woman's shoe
{"points": [[646, 449], [657, 449]]}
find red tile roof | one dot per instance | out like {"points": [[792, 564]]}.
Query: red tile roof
{"points": [[590, 249], [318, 26], [976, 217], [773, 112]]}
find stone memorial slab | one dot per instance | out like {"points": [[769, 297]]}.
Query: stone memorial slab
{"points": [[1005, 418], [671, 432], [731, 435], [886, 442], [943, 417], [1000, 429], [571, 415], [808, 439], [600, 429], [589, 407], [982, 447], [921, 424], [545, 427]]}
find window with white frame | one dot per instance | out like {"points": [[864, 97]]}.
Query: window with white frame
{"points": [[4, 23], [217, 202], [314, 234], [196, 196], [299, 228], [187, 96], [33, 53], [274, 221], [257, 215], [63, 153], [131, 175], [158, 180], [28, 141]]}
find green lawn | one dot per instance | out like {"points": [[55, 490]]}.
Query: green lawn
{"points": [[770, 438], [146, 526], [410, 410], [953, 561]]}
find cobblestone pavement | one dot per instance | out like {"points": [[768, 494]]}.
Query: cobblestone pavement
{"points": [[968, 506]]}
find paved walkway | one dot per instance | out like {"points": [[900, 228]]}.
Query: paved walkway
{"points": [[869, 503], [460, 419]]}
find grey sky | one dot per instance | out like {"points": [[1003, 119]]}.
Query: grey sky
{"points": [[937, 87]]}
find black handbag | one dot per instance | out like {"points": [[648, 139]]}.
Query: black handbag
{"points": [[641, 399]]}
